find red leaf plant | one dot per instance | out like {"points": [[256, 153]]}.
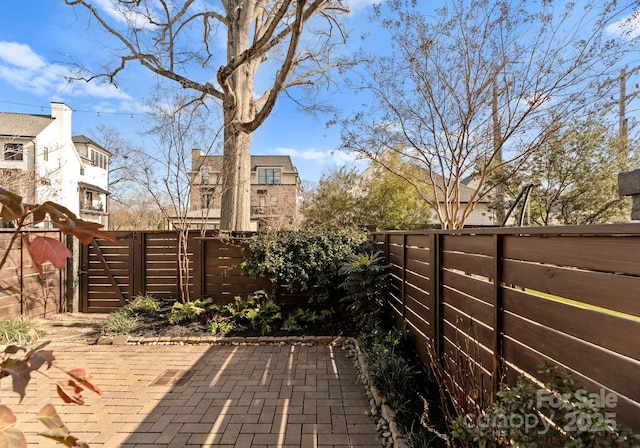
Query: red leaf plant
{"points": [[41, 250]]}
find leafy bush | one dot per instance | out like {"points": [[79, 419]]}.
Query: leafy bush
{"points": [[264, 315], [366, 282], [383, 341], [257, 310], [393, 376], [219, 324], [308, 261], [299, 319], [20, 328], [121, 321], [561, 413], [144, 305], [417, 436], [386, 356], [189, 311]]}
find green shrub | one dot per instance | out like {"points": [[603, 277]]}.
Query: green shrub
{"points": [[382, 341], [190, 311], [257, 310], [219, 324], [393, 376], [366, 282], [561, 413], [308, 261], [300, 319], [121, 321], [20, 328], [144, 305], [417, 436], [264, 316]]}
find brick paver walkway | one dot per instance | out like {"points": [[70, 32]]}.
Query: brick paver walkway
{"points": [[200, 396]]}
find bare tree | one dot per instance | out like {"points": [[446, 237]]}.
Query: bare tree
{"points": [[478, 87], [167, 173], [123, 170], [180, 42]]}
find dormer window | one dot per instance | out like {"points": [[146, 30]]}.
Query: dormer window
{"points": [[13, 151], [269, 175], [98, 159]]}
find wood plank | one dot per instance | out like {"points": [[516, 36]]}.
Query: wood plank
{"points": [[417, 266], [598, 253], [420, 303], [469, 263], [611, 332], [468, 305], [396, 239], [478, 330], [457, 351], [519, 357], [418, 281], [591, 361], [481, 289], [418, 240], [470, 244], [419, 254], [417, 320], [610, 291]]}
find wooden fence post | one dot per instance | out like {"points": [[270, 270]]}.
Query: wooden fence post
{"points": [[435, 269], [497, 314], [198, 267], [403, 290], [136, 270]]}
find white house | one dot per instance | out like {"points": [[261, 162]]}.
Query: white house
{"points": [[42, 161]]}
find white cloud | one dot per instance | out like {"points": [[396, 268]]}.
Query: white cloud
{"points": [[123, 13], [307, 154], [20, 55], [25, 70], [355, 6], [628, 26]]}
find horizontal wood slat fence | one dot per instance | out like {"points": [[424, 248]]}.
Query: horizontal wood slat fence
{"points": [[146, 262], [511, 298], [22, 291]]}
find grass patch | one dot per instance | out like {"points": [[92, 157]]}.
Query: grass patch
{"points": [[121, 321], [20, 329]]}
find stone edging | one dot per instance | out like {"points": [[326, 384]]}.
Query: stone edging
{"points": [[220, 340], [379, 407]]}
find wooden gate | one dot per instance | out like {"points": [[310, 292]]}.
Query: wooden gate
{"points": [[146, 262]]}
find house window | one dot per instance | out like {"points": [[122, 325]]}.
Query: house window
{"points": [[204, 173], [88, 199], [207, 197], [274, 200], [269, 175], [263, 201], [13, 151], [99, 160], [45, 154]]}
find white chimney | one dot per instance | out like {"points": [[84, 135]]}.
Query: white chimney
{"points": [[62, 113]]}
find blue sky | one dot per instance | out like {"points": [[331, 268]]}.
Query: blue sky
{"points": [[40, 39]]}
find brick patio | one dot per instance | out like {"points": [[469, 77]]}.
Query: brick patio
{"points": [[200, 396]]}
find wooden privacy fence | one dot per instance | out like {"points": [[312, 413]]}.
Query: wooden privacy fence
{"points": [[24, 292], [511, 298], [146, 262]]}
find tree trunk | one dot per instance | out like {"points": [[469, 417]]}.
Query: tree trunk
{"points": [[239, 107], [236, 182]]}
